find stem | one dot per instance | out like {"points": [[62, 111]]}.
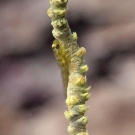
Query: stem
{"points": [[77, 91]]}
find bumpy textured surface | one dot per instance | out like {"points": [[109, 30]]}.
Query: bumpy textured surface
{"points": [[70, 59]]}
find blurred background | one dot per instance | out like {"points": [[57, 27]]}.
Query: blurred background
{"points": [[31, 97]]}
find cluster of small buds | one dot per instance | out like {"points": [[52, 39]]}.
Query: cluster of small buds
{"points": [[70, 59], [77, 94]]}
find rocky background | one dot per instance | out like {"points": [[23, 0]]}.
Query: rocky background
{"points": [[31, 97]]}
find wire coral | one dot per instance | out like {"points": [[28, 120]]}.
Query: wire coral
{"points": [[73, 68]]}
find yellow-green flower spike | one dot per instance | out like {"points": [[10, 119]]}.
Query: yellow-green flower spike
{"points": [[73, 68]]}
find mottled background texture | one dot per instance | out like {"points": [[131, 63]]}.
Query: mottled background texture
{"points": [[31, 97]]}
